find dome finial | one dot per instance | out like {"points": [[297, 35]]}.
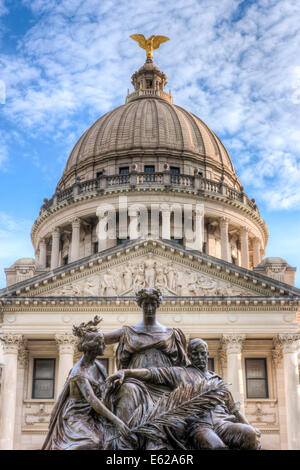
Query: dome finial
{"points": [[153, 42]]}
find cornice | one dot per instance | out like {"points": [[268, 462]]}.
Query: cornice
{"points": [[170, 304]]}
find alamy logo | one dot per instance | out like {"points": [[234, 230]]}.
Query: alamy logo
{"points": [[133, 221]]}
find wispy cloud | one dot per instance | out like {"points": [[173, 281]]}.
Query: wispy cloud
{"points": [[3, 9], [235, 64]]}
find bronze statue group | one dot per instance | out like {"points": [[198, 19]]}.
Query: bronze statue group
{"points": [[162, 397]]}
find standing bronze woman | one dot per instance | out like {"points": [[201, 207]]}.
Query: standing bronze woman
{"points": [[147, 344]]}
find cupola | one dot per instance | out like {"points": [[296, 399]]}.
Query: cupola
{"points": [[149, 81]]}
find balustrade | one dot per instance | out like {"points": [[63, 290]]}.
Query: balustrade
{"points": [[141, 178]]}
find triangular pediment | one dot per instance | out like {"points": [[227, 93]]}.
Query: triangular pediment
{"points": [[145, 270], [124, 269]]}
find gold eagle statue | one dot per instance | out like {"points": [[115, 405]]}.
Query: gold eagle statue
{"points": [[153, 42]]}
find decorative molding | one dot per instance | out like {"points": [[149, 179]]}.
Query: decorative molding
{"points": [[262, 412], [23, 355], [222, 357], [289, 343], [12, 342], [36, 414], [66, 343], [276, 355], [233, 343]]}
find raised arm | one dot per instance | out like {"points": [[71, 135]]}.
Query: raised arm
{"points": [[113, 336]]}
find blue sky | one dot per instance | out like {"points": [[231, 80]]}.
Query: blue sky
{"points": [[236, 64]]}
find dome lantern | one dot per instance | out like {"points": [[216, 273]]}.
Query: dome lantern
{"points": [[149, 81]]}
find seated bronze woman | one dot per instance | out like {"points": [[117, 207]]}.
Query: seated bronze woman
{"points": [[79, 420]]}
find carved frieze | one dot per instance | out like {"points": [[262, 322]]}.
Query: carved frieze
{"points": [[37, 414], [149, 271], [262, 412]]}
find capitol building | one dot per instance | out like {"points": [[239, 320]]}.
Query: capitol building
{"points": [[149, 197]]}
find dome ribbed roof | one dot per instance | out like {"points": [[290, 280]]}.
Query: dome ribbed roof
{"points": [[145, 126]]}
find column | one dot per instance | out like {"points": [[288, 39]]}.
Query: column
{"points": [[9, 390], [22, 368], [55, 248], [244, 248], [43, 253], [211, 240], [66, 346], [75, 246], [225, 252], [166, 222], [138, 225], [256, 252], [133, 224], [154, 221], [233, 347], [106, 228], [289, 344]]}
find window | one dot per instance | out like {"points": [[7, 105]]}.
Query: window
{"points": [[177, 240], [66, 260], [124, 170], [256, 378], [120, 241], [211, 364], [95, 247], [149, 169], [175, 170], [149, 83], [99, 174], [43, 378]]}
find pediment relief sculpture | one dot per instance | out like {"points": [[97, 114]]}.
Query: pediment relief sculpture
{"points": [[172, 280]]}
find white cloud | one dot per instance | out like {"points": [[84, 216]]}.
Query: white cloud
{"points": [[242, 77]]}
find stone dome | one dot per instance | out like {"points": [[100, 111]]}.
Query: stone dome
{"points": [[148, 124], [24, 262], [272, 260]]}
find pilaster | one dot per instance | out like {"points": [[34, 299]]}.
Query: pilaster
{"points": [[12, 343], [225, 252], [232, 344], [66, 345]]}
